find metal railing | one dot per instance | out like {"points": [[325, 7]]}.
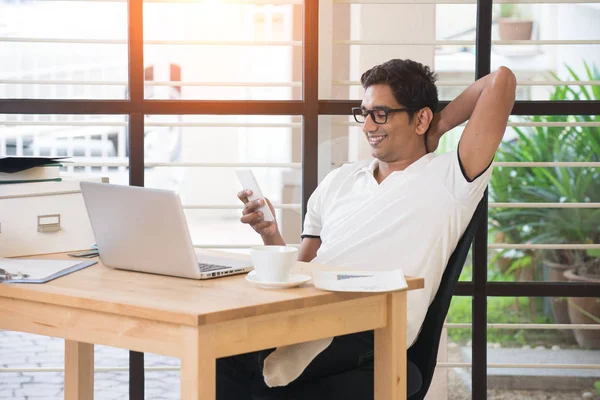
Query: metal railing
{"points": [[439, 364], [296, 43], [153, 42], [262, 84], [462, 1], [467, 83]]}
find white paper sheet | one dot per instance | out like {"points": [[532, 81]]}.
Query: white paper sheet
{"points": [[36, 269], [359, 281]]}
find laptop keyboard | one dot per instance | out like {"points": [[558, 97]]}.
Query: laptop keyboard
{"points": [[211, 267]]}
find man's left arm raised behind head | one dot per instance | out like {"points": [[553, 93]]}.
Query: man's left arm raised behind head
{"points": [[487, 104]]}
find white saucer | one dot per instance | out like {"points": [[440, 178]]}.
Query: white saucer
{"points": [[294, 280]]}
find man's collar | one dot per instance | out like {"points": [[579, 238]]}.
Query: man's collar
{"points": [[372, 166], [369, 168]]}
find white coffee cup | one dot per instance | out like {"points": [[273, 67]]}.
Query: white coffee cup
{"points": [[273, 263]]}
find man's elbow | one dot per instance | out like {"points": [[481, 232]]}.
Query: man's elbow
{"points": [[504, 86], [506, 73], [504, 79]]}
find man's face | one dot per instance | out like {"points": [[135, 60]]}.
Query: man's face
{"points": [[387, 140]]}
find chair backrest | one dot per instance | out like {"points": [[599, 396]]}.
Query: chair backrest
{"points": [[423, 353]]}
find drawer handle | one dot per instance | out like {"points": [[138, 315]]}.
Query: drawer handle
{"points": [[49, 223]]}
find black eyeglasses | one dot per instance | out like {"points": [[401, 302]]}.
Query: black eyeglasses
{"points": [[378, 115]]}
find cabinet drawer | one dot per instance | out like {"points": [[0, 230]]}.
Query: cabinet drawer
{"points": [[37, 223]]}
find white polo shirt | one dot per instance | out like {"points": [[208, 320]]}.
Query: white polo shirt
{"points": [[412, 221]]}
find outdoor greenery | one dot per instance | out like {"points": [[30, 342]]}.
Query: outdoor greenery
{"points": [[514, 11], [502, 310], [550, 142], [508, 10]]}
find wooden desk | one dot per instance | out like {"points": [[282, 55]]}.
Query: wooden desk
{"points": [[199, 321]]}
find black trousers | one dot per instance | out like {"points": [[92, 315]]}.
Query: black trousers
{"points": [[342, 371]]}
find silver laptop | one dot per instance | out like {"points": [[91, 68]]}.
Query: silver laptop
{"points": [[145, 230]]}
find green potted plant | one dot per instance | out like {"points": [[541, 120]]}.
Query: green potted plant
{"points": [[596, 392], [585, 310], [513, 24], [556, 185], [516, 225]]}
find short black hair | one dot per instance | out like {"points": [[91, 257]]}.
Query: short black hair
{"points": [[412, 83]]}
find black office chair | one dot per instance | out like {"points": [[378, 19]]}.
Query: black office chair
{"points": [[421, 357], [423, 353]]}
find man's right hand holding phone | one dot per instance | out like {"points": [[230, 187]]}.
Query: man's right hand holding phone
{"points": [[268, 230]]}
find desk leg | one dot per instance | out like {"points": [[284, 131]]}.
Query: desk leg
{"points": [[79, 370], [390, 351], [198, 364]]}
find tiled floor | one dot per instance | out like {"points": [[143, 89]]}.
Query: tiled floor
{"points": [[20, 350]]}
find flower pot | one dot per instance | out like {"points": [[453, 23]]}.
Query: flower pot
{"points": [[591, 306], [558, 305], [515, 29]]}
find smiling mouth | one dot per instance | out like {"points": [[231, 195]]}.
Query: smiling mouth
{"points": [[375, 140]]}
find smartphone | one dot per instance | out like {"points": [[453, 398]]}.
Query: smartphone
{"points": [[248, 181]]}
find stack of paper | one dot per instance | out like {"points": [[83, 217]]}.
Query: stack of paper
{"points": [[359, 281], [29, 169]]}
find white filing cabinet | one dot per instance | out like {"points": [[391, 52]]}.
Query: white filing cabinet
{"points": [[44, 217]]}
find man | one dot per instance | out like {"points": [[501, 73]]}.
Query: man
{"points": [[405, 209]]}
